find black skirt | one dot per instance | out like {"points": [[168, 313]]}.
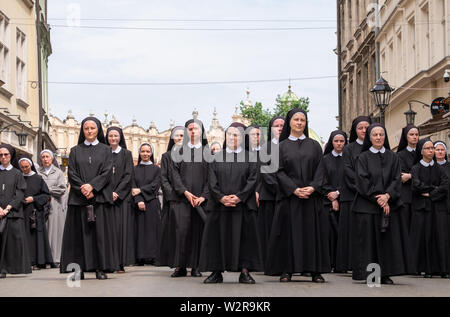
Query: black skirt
{"points": [[344, 240], [125, 232], [14, 253], [266, 211], [148, 227], [333, 232], [37, 237]]}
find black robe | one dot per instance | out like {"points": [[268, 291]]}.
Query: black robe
{"points": [[378, 173], [429, 226], [299, 236], [124, 214], [148, 222], [91, 245], [345, 235], [230, 240], [34, 219], [407, 160], [184, 226], [14, 252], [332, 181]]}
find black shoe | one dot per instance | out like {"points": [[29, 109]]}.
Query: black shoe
{"points": [[3, 275], [180, 272], [100, 275], [317, 278], [196, 273], [285, 277], [386, 280], [428, 275], [215, 277], [54, 265], [36, 268], [246, 278], [445, 275], [121, 269]]}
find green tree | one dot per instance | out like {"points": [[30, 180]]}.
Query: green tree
{"points": [[282, 107], [256, 114]]}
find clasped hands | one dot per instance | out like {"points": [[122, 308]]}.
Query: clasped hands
{"points": [[4, 212], [194, 200], [304, 192], [333, 196], [230, 200], [382, 201], [406, 177], [86, 190]]}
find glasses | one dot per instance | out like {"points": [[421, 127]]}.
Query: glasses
{"points": [[4, 154]]}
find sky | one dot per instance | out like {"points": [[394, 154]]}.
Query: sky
{"points": [[115, 44]]}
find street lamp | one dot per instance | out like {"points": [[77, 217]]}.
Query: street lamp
{"points": [[381, 93], [410, 115], [22, 136]]}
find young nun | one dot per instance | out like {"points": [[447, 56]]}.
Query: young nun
{"points": [[298, 240], [267, 186], [121, 186], [36, 196], [429, 227], [189, 173], [56, 183], [14, 250], [406, 152], [230, 240], [333, 180], [376, 224], [88, 238], [146, 184], [350, 156]]}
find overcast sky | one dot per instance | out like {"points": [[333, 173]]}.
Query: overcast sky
{"points": [[156, 56]]}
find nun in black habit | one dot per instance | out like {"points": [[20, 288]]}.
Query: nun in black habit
{"points": [[146, 184], [189, 175], [14, 250], [406, 152], [376, 223], [429, 227], [230, 240], [36, 196], [350, 156], [267, 185], [88, 238], [121, 186], [333, 180], [299, 236]]}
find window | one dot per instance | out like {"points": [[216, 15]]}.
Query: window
{"points": [[21, 71], [412, 47], [4, 49]]}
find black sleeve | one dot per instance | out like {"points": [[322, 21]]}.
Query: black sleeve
{"points": [[19, 193], [205, 190], [417, 186], [43, 197], [103, 178], [440, 192], [395, 186], [287, 185], [318, 173], [123, 188], [74, 176], [250, 186], [165, 180], [364, 184], [214, 188], [150, 190], [349, 169], [177, 182]]}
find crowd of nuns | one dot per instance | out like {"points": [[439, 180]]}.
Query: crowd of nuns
{"points": [[278, 204]]}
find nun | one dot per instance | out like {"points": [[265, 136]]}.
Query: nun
{"points": [[406, 152], [37, 196], [267, 186], [429, 227], [56, 183], [145, 186], [215, 147], [350, 156], [333, 165], [121, 186], [299, 236], [14, 250], [88, 239], [189, 174], [230, 240], [376, 224]]}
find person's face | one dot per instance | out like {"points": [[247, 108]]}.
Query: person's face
{"points": [[277, 127], [413, 137], [338, 143], [113, 138], [25, 167], [377, 137], [215, 148], [255, 137], [440, 152], [361, 129], [178, 137], [145, 153], [90, 131], [298, 123], [233, 138], [428, 151], [46, 159], [194, 132], [5, 157]]}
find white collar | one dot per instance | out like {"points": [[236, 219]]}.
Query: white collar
{"points": [[197, 146], [117, 151], [30, 174], [359, 141], [258, 148], [442, 162], [7, 168], [410, 149], [146, 163], [336, 154], [91, 143], [374, 150], [238, 150], [293, 138], [275, 141], [426, 164]]}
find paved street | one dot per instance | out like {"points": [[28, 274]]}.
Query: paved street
{"points": [[156, 281]]}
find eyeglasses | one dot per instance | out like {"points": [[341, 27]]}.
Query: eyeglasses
{"points": [[4, 154]]}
